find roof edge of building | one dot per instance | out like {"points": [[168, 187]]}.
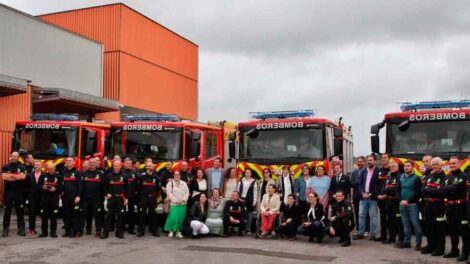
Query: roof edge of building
{"points": [[130, 8]]}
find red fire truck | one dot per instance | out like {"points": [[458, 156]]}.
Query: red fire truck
{"points": [[165, 138], [53, 137], [440, 128], [294, 138]]}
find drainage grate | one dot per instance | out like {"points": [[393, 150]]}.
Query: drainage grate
{"points": [[251, 251]]}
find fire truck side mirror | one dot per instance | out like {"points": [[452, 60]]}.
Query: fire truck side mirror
{"points": [[338, 146], [374, 129], [375, 143], [231, 150]]}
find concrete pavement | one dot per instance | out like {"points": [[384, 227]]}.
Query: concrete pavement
{"points": [[87, 249]]}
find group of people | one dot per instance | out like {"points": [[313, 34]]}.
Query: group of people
{"points": [[217, 201], [431, 204]]}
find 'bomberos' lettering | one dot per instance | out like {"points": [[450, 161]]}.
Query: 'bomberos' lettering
{"points": [[143, 127], [437, 116], [286, 125], [42, 126]]}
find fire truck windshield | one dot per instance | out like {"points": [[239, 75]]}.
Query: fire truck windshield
{"points": [[452, 138], [159, 145], [281, 145], [46, 143]]}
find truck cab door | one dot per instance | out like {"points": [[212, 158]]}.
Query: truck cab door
{"points": [[193, 147]]}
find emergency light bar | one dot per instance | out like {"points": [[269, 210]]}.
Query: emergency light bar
{"points": [[151, 117], [61, 117], [434, 105], [282, 114]]}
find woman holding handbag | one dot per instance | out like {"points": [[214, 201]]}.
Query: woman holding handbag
{"points": [[178, 193]]}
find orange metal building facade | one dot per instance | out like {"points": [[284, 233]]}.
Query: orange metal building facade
{"points": [[146, 66], [13, 108]]}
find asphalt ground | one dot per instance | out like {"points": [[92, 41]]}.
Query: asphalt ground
{"points": [[237, 250]]}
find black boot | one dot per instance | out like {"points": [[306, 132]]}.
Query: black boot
{"points": [[66, 234], [5, 232], [21, 232], [43, 234], [140, 234], [453, 254], [463, 257], [346, 243], [404, 245], [104, 235], [426, 250], [54, 234], [120, 235]]}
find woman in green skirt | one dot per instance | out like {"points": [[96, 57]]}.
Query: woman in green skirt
{"points": [[177, 191]]}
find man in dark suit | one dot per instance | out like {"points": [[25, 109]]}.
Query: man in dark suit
{"points": [[215, 175], [368, 188], [356, 181], [339, 182]]}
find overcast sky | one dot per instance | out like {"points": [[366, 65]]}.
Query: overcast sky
{"points": [[354, 59]]}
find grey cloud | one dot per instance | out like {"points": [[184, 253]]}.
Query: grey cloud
{"points": [[354, 59]]}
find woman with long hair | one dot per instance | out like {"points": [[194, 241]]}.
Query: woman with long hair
{"points": [[248, 189], [230, 182], [314, 226], [198, 186], [199, 215], [321, 185], [264, 183]]}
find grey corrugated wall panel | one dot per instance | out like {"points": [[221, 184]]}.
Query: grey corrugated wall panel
{"points": [[48, 56]]}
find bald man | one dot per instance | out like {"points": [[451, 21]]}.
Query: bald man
{"points": [[14, 175]]}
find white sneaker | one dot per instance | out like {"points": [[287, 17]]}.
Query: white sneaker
{"points": [[170, 234], [179, 235]]}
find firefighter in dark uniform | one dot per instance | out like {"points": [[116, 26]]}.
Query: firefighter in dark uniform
{"points": [[382, 202], [455, 191], [166, 174], [52, 186], [149, 188], [186, 174], [117, 191], [131, 215], [426, 173], [434, 210], [14, 175], [28, 163], [394, 223], [71, 198], [92, 197], [342, 219]]}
